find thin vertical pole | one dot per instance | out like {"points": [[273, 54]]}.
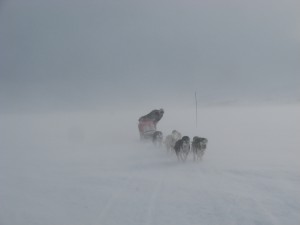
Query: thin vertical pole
{"points": [[196, 109]]}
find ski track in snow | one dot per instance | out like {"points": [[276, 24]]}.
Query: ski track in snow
{"points": [[153, 202], [109, 206]]}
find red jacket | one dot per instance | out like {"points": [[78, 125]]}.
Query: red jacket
{"points": [[154, 116]]}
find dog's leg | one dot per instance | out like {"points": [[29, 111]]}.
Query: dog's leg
{"points": [[167, 147], [177, 154], [194, 155], [186, 152], [200, 154], [185, 156], [193, 152], [180, 154]]}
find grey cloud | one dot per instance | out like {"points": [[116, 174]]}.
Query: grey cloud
{"points": [[93, 54]]}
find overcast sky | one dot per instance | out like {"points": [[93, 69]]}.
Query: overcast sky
{"points": [[93, 54]]}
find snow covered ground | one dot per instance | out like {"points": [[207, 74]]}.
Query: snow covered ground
{"points": [[89, 168]]}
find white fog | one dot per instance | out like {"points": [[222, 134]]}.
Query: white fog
{"points": [[75, 77]]}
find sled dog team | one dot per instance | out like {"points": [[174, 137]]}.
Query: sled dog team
{"points": [[182, 145], [174, 142]]}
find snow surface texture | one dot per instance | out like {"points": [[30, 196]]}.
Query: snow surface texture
{"points": [[91, 169]]}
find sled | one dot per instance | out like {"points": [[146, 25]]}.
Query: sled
{"points": [[146, 129]]}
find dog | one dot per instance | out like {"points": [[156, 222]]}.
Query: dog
{"points": [[198, 147], [182, 148], [157, 138], [171, 140]]}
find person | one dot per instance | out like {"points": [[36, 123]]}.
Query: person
{"points": [[147, 123]]}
